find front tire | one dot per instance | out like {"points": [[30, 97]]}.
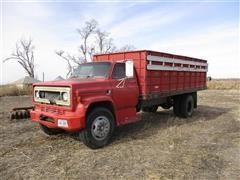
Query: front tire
{"points": [[99, 128]]}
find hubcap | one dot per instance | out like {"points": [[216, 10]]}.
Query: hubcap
{"points": [[100, 127]]}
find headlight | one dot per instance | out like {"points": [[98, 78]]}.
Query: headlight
{"points": [[65, 96], [37, 94]]}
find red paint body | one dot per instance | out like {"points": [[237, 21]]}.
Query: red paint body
{"points": [[144, 86]]}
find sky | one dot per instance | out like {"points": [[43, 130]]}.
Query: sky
{"points": [[201, 29]]}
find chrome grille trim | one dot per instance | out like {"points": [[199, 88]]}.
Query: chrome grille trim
{"points": [[52, 89]]}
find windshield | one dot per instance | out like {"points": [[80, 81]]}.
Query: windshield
{"points": [[93, 69]]}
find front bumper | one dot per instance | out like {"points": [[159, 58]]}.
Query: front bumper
{"points": [[75, 120]]}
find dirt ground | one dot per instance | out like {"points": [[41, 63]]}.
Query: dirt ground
{"points": [[161, 146]]}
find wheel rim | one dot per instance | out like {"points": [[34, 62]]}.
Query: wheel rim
{"points": [[100, 127]]}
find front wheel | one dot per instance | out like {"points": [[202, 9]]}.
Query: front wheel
{"points": [[99, 128]]}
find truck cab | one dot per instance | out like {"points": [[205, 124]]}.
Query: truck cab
{"points": [[97, 97]]}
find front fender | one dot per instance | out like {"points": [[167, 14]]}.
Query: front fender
{"points": [[88, 101], [97, 99]]}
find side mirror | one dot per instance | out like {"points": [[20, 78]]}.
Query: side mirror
{"points": [[129, 69]]}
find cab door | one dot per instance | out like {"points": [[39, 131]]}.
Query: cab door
{"points": [[125, 93]]}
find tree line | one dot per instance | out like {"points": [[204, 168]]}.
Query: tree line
{"points": [[93, 40]]}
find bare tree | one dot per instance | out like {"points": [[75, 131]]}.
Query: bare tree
{"points": [[110, 46], [24, 55], [103, 42], [91, 52], [67, 58], [85, 32], [100, 38], [71, 60]]}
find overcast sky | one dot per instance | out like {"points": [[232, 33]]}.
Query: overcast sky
{"points": [[208, 30]]}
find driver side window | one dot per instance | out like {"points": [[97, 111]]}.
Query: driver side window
{"points": [[118, 71]]}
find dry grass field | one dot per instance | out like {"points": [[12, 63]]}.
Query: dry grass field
{"points": [[160, 146], [14, 90], [224, 84]]}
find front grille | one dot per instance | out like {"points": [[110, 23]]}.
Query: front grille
{"points": [[52, 95]]}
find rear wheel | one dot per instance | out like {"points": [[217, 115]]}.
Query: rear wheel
{"points": [[150, 109], [187, 106], [50, 131], [99, 128]]}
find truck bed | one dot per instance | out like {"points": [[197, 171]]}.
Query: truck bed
{"points": [[163, 74]]}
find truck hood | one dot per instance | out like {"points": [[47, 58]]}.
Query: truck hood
{"points": [[70, 82], [78, 87]]}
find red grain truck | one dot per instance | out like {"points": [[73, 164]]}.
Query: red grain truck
{"points": [[113, 89]]}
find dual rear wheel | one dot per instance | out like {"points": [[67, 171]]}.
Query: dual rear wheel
{"points": [[183, 106]]}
